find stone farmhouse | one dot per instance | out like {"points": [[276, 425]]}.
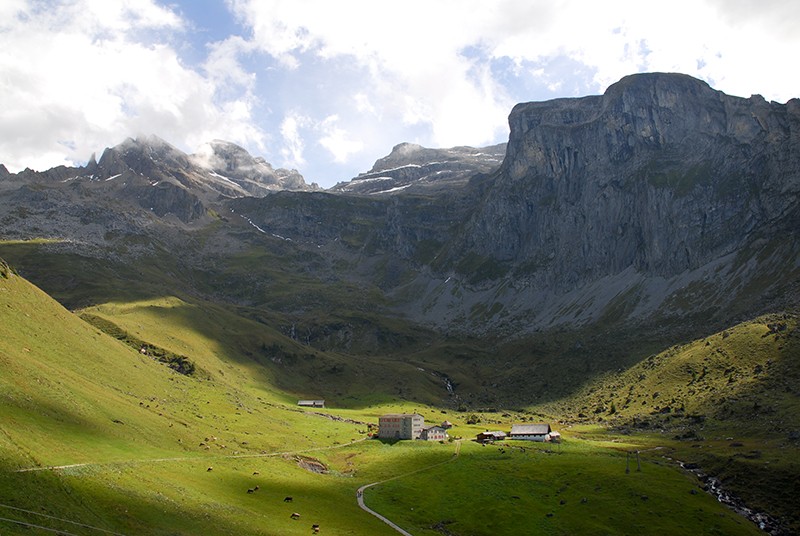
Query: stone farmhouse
{"points": [[434, 433], [400, 426]]}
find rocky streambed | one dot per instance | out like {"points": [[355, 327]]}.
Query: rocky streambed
{"points": [[714, 486]]}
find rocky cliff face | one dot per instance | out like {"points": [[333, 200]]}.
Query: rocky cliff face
{"points": [[661, 202], [661, 174], [641, 187]]}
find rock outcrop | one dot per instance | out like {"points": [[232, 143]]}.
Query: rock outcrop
{"points": [[662, 174]]}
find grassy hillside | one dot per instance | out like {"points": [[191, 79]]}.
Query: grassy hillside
{"points": [[221, 343], [134, 438], [729, 403], [69, 394], [746, 374]]}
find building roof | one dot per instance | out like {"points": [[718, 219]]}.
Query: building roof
{"points": [[401, 415], [494, 434], [309, 402], [530, 429]]}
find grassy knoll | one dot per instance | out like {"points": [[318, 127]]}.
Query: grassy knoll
{"points": [[221, 344], [745, 375]]}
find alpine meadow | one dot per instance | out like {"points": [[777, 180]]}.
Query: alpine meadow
{"points": [[206, 344]]}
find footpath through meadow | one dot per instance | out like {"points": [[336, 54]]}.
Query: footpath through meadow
{"points": [[360, 492]]}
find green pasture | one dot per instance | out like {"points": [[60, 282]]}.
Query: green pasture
{"points": [[137, 438], [571, 488]]}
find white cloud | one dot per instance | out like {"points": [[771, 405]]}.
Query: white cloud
{"points": [[416, 48], [293, 143], [363, 104], [81, 75], [78, 75], [336, 140], [411, 50], [740, 46]]}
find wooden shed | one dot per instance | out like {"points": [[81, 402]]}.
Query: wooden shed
{"points": [[488, 437]]}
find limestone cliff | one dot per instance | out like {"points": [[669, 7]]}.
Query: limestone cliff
{"points": [[659, 185]]}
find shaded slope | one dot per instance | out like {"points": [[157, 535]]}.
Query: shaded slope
{"points": [[745, 377], [143, 435], [730, 402]]}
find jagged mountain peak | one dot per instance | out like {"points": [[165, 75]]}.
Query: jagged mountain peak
{"points": [[230, 162], [155, 175], [224, 156], [413, 168], [406, 148], [145, 155], [221, 154]]}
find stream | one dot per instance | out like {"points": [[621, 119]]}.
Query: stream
{"points": [[712, 485]]}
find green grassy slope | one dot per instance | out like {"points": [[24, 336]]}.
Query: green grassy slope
{"points": [[745, 377], [222, 343], [70, 394], [572, 488], [729, 403], [138, 437]]}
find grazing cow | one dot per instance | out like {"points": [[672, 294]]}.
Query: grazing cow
{"points": [[295, 515], [315, 528], [287, 499], [256, 473], [251, 491], [209, 469]]}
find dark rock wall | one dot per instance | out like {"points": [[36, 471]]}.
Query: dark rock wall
{"points": [[662, 173]]}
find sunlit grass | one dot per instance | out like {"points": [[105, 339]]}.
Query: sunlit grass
{"points": [[572, 488], [144, 436]]}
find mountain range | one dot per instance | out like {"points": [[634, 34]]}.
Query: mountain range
{"points": [[615, 244], [661, 201]]}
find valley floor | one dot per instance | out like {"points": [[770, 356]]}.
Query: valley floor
{"points": [[585, 485]]}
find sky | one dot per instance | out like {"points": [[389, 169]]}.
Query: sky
{"points": [[328, 87]]}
